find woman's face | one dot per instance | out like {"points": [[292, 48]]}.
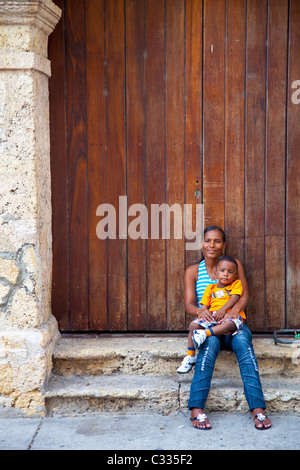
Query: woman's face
{"points": [[213, 244]]}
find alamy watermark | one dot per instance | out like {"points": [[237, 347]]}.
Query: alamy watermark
{"points": [[296, 94], [161, 221]]}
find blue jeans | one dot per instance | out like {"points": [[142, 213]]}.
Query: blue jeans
{"points": [[241, 345]]}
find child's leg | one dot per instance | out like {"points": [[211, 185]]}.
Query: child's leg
{"points": [[193, 326], [190, 359], [222, 329], [217, 330]]}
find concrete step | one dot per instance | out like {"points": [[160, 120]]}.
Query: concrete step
{"points": [[138, 372], [159, 393], [159, 355]]}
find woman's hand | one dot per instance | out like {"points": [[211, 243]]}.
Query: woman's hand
{"points": [[205, 314]]}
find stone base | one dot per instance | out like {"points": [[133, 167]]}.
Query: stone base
{"points": [[28, 331], [25, 366]]}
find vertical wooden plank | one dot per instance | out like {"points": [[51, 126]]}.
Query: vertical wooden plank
{"points": [[193, 112], [293, 172], [136, 158], [255, 162], [58, 160], [156, 176], [77, 165], [116, 159], [96, 143], [213, 105], [275, 163], [235, 128], [175, 111]]}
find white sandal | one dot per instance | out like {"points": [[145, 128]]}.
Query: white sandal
{"points": [[261, 417], [201, 417]]}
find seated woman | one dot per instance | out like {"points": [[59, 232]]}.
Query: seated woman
{"points": [[197, 278], [219, 299]]}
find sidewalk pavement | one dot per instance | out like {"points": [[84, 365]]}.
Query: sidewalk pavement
{"points": [[145, 431]]}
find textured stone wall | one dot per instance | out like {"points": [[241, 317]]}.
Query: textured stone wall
{"points": [[28, 330]]}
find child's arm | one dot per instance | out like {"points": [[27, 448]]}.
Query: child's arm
{"points": [[229, 304]]}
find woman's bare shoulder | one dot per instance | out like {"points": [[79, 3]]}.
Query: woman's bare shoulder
{"points": [[240, 265], [192, 271]]}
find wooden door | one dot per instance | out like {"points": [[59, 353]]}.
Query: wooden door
{"points": [[176, 102]]}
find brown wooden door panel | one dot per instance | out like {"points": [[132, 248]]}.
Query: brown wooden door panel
{"points": [[156, 159], [177, 102], [275, 164], [97, 168], [235, 130], [213, 112], [293, 175], [136, 158], [58, 132], [255, 158]]}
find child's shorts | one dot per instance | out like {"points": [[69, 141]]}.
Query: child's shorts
{"points": [[237, 321]]}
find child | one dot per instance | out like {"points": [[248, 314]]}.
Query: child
{"points": [[220, 298]]}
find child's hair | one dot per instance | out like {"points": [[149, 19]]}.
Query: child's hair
{"points": [[228, 258]]}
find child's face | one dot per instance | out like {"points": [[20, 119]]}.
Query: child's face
{"points": [[226, 272]]}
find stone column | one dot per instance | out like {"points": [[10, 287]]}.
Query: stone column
{"points": [[28, 330]]}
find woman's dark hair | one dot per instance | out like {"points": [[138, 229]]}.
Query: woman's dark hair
{"points": [[215, 227]]}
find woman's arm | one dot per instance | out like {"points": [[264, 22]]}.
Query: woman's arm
{"points": [[190, 279], [242, 302]]}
